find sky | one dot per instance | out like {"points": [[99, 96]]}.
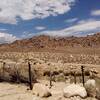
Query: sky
{"points": [[25, 18]]}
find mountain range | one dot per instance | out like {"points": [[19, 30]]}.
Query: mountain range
{"points": [[49, 43]]}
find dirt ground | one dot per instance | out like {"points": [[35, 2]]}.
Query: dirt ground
{"points": [[10, 91]]}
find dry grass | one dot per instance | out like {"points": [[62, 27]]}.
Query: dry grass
{"points": [[43, 63]]}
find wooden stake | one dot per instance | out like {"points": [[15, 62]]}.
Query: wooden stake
{"points": [[75, 77], [30, 76]]}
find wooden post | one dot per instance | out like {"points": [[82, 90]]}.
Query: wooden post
{"points": [[82, 68], [3, 67], [75, 77], [30, 76], [18, 77], [50, 75]]}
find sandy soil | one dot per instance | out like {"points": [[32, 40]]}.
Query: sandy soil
{"points": [[10, 91]]}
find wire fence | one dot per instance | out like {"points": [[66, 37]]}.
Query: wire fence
{"points": [[25, 73], [17, 72]]}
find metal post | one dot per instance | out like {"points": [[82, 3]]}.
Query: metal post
{"points": [[82, 68], [30, 76], [75, 77]]}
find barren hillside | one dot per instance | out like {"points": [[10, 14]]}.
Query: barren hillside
{"points": [[52, 44]]}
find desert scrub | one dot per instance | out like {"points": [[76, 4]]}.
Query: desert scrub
{"points": [[60, 77]]}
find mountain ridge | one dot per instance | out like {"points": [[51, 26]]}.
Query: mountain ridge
{"points": [[44, 42]]}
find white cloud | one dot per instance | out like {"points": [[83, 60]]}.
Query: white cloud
{"points": [[95, 12], [39, 28], [82, 27], [86, 21], [7, 38], [71, 20], [29, 9], [26, 35]]}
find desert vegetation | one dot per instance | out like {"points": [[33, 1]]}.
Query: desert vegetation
{"points": [[51, 70], [51, 67]]}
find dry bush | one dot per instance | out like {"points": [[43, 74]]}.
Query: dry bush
{"points": [[16, 73]]}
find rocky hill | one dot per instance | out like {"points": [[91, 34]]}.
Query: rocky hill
{"points": [[48, 43]]}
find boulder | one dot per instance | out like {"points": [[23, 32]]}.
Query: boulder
{"points": [[74, 90], [41, 90], [90, 87]]}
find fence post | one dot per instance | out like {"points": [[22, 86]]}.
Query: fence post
{"points": [[82, 69], [50, 76], [3, 70], [30, 76], [18, 77], [75, 77]]}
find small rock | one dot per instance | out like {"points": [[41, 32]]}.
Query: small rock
{"points": [[41, 90], [74, 90]]}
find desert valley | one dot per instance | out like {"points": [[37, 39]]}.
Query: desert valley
{"points": [[56, 68]]}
